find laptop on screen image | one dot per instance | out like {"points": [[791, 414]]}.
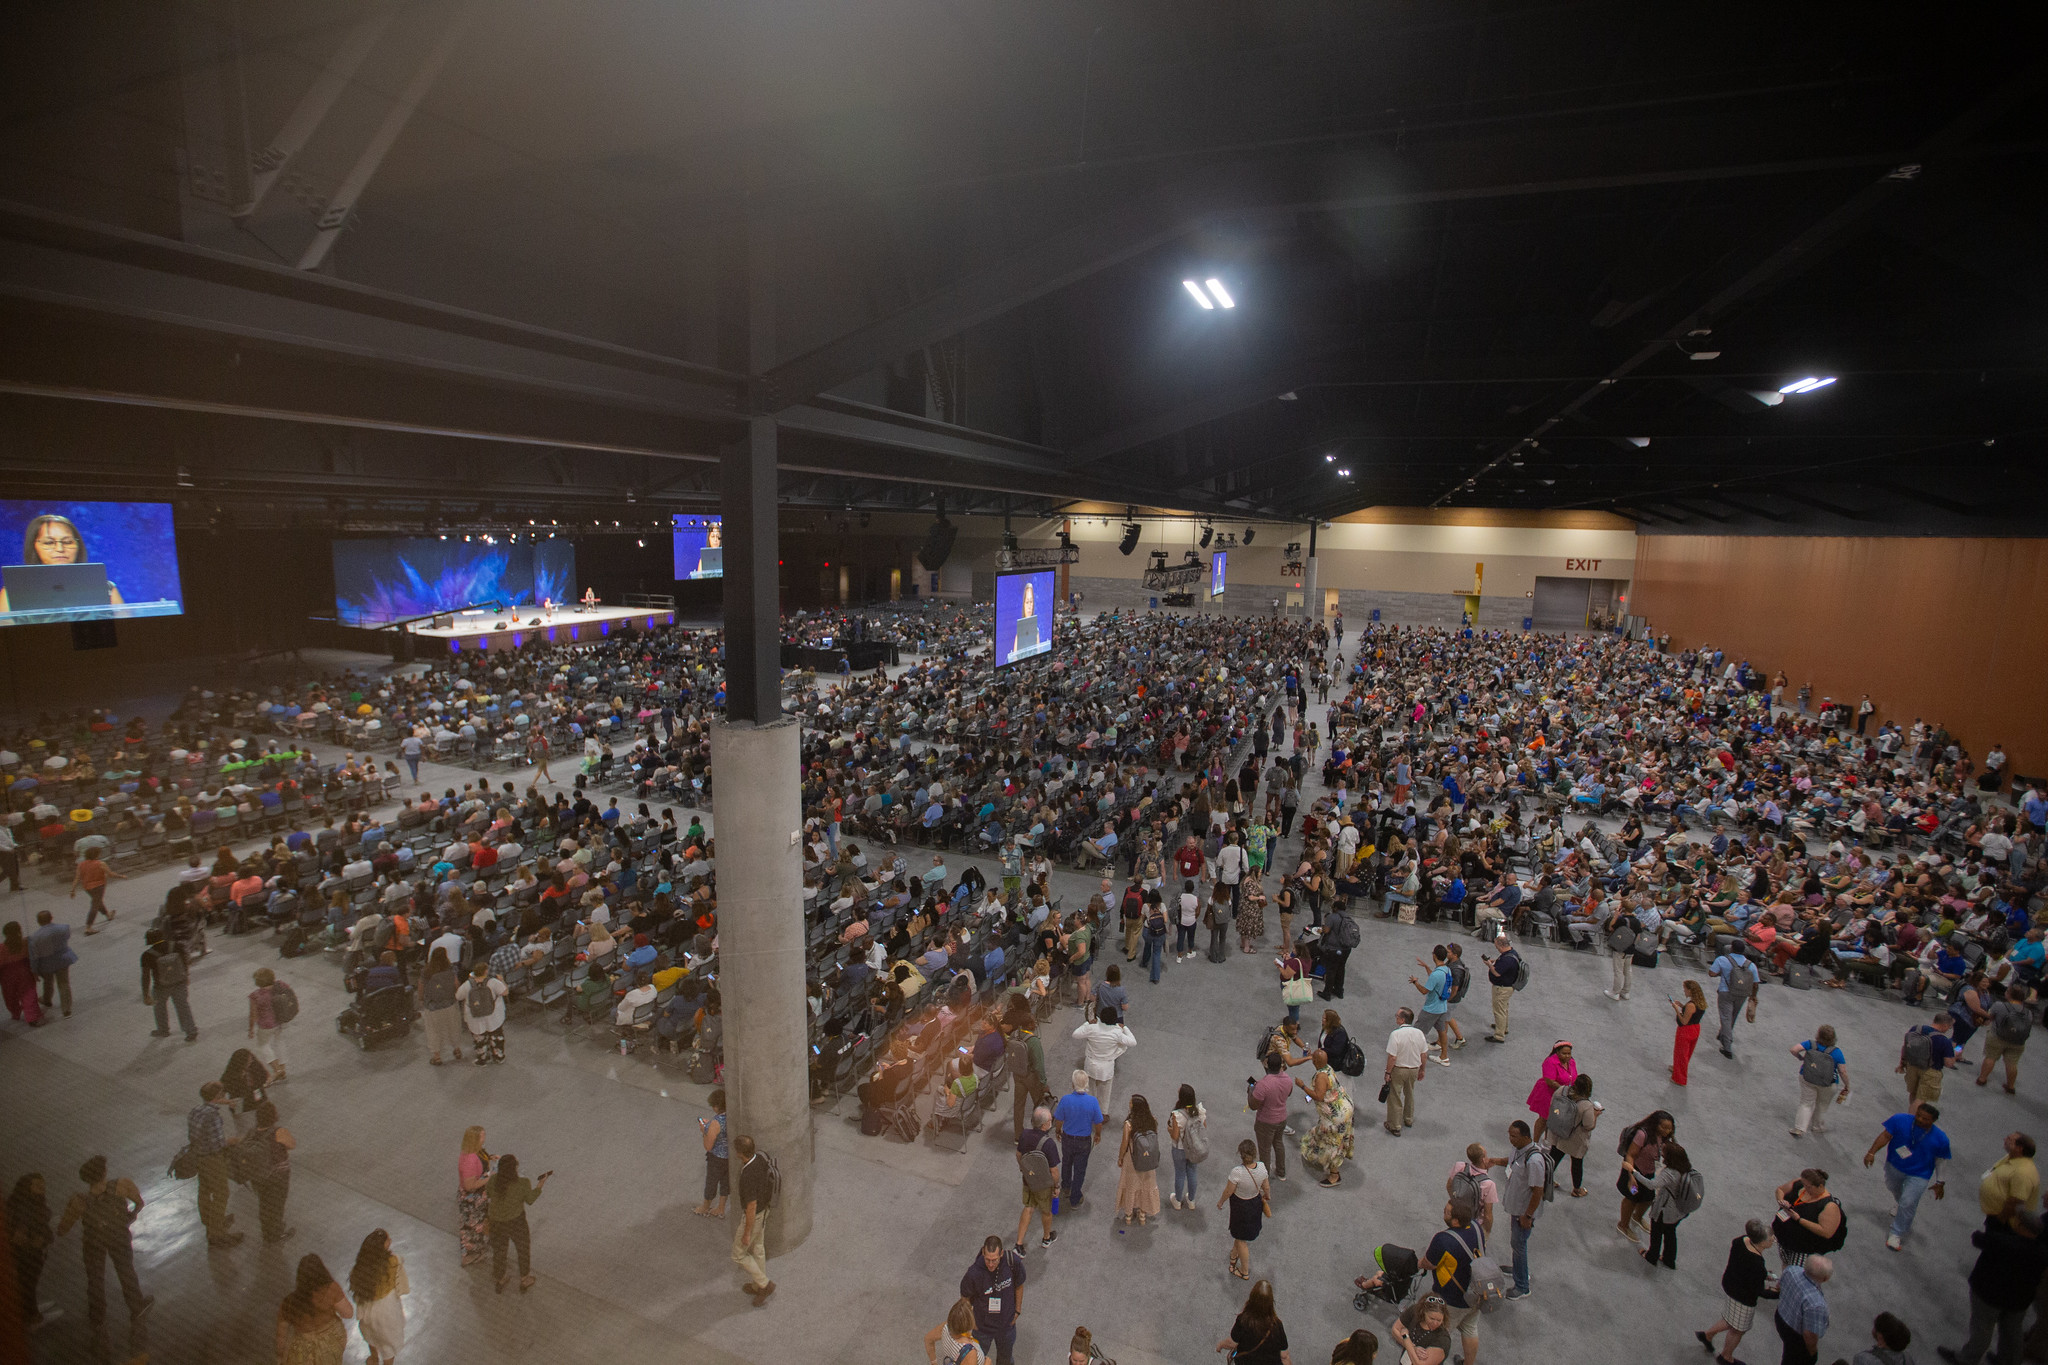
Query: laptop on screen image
{"points": [[54, 587]]}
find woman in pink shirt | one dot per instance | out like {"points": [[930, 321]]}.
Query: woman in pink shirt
{"points": [[472, 1199], [1558, 1069]]}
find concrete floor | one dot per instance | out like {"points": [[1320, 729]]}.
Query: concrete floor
{"points": [[624, 1268]]}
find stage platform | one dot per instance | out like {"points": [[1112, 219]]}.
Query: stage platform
{"points": [[491, 631]]}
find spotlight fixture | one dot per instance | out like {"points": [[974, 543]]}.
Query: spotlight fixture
{"points": [[1808, 384], [1343, 473], [1637, 441], [184, 477], [1159, 559], [1329, 459], [1289, 396], [1210, 294], [1219, 293], [1208, 534]]}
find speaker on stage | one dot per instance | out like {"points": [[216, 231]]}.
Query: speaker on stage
{"points": [[442, 622], [534, 622]]}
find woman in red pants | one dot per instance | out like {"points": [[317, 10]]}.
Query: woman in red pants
{"points": [[17, 982], [1689, 1012]]}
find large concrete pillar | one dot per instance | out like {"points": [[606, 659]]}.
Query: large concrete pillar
{"points": [[761, 958], [1311, 595]]}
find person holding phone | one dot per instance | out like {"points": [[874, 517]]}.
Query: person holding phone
{"points": [[510, 1194]]}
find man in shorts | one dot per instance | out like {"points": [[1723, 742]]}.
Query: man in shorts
{"points": [[2007, 1037], [1038, 1140], [1436, 1001]]}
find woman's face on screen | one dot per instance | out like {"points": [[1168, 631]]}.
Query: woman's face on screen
{"points": [[1028, 609], [56, 543]]}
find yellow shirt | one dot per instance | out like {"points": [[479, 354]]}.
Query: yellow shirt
{"points": [[668, 976], [2014, 1177]]}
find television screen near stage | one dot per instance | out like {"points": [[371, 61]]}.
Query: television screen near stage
{"points": [[1024, 616], [87, 561], [700, 551], [377, 582], [1216, 573]]}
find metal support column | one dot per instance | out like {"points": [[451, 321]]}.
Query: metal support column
{"points": [[1312, 593]]}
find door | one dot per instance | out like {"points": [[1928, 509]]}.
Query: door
{"points": [[1560, 604]]}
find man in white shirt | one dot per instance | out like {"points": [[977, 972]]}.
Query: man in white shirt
{"points": [[1230, 865], [1102, 1042], [1406, 1050], [482, 1002], [453, 942], [629, 1005]]}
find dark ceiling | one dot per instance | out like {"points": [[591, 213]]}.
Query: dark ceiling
{"points": [[548, 250]]}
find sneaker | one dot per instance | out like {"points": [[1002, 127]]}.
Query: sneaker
{"points": [[1610, 995], [1513, 1294], [1892, 1241], [1457, 1043], [159, 1033], [1495, 1038], [1441, 1061], [1049, 1238]]}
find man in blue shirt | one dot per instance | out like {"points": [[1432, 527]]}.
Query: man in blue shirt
{"points": [[1915, 1154], [1436, 1002], [1737, 980], [1079, 1118]]}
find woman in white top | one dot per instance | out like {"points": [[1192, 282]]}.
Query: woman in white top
{"points": [[1188, 1121], [952, 1341], [378, 1285], [1249, 1194]]}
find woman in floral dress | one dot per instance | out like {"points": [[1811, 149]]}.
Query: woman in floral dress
{"points": [[1327, 1146]]}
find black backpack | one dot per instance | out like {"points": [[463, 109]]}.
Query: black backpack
{"points": [[1354, 1059], [1461, 981]]}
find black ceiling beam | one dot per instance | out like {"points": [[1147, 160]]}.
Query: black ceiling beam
{"points": [[1821, 504], [1800, 251], [1747, 508], [1961, 509], [1554, 161]]}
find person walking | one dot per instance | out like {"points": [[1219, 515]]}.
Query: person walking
{"points": [[758, 1186], [1187, 914], [50, 958], [1927, 1054], [1504, 975], [1528, 1171], [92, 873], [510, 1194], [1680, 1190], [443, 1021], [1809, 1221], [166, 977], [1248, 1192], [1154, 941], [482, 1001], [1080, 1119], [1327, 1146], [472, 1195], [18, 975], [1622, 929], [1267, 1099], [272, 1005], [1137, 1164], [1736, 982], [1821, 1068], [994, 1284], [29, 1236], [412, 748], [1407, 1057], [273, 1182], [952, 1341], [2013, 1182], [1742, 1280], [1642, 1147], [2006, 1039], [1916, 1153], [2010, 1261], [1688, 1013], [103, 1211], [1187, 1128], [378, 1284], [1257, 1336], [1802, 1316], [1435, 990], [1569, 1130], [208, 1135], [717, 1157], [309, 1320], [1102, 1042], [1038, 1162], [1560, 1069]]}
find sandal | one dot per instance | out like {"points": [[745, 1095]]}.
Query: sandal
{"points": [[1332, 1183], [527, 1282], [1578, 1194]]}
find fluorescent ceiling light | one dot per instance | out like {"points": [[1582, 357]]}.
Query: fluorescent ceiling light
{"points": [[1807, 385], [1704, 355], [1222, 295], [1344, 473], [1637, 441], [1765, 396], [1200, 297]]}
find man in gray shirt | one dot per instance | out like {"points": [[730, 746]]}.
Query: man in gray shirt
{"points": [[1526, 1175]]}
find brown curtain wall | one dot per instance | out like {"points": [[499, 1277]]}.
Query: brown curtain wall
{"points": [[1952, 630]]}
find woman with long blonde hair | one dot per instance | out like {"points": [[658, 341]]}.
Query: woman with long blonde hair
{"points": [[378, 1284]]}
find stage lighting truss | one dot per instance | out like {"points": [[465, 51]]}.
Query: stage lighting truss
{"points": [[1051, 557]]}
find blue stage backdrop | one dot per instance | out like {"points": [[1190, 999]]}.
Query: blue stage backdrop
{"points": [[377, 581], [136, 541]]}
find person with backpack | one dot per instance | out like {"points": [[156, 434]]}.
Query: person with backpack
{"points": [[437, 1005], [1333, 950], [1038, 1161], [1641, 1148], [1680, 1192], [1435, 990], [1468, 1183], [272, 1005], [166, 976], [482, 999], [104, 1211], [1621, 931], [1821, 1067], [1187, 1128], [1454, 1257], [1461, 984], [1924, 1056], [1528, 1174], [1737, 980], [952, 1341], [756, 1191], [2007, 1037], [1568, 1129], [1137, 1164], [1024, 1060], [1506, 974]]}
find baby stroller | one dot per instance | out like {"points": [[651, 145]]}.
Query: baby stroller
{"points": [[378, 1016], [1395, 1271]]}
